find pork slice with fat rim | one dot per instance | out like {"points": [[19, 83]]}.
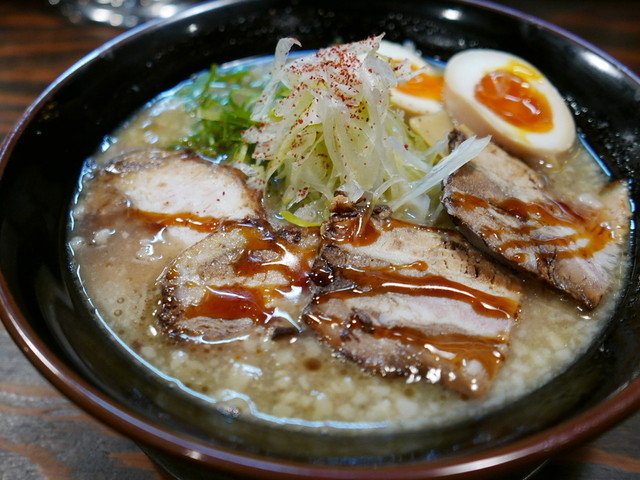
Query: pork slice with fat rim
{"points": [[506, 208], [174, 190], [243, 278], [413, 301]]}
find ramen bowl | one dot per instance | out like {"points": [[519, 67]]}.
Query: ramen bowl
{"points": [[41, 161]]}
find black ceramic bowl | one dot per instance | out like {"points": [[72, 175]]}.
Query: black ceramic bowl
{"points": [[41, 159]]}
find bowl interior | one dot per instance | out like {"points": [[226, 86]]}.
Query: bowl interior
{"points": [[42, 160]]}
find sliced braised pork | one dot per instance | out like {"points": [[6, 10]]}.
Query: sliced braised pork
{"points": [[399, 299], [176, 190], [243, 277], [505, 207]]}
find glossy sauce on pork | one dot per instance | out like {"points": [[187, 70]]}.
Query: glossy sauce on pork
{"points": [[412, 301]]}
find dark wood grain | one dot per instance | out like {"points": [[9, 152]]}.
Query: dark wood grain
{"points": [[43, 435]]}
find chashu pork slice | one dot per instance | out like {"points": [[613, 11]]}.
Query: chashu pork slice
{"points": [[244, 277], [506, 208], [174, 190], [413, 301]]}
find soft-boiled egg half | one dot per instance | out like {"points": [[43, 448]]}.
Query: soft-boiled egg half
{"points": [[498, 94], [422, 92]]}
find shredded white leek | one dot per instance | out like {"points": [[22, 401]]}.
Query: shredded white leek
{"points": [[335, 130]]}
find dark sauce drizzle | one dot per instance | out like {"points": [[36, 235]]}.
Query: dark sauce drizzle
{"points": [[242, 301], [533, 216], [389, 279], [187, 219]]}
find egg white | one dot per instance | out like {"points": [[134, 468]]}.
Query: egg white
{"points": [[465, 70], [410, 103]]}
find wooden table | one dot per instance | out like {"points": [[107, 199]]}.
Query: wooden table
{"points": [[43, 435]]}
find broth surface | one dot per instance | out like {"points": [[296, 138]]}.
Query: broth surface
{"points": [[299, 381]]}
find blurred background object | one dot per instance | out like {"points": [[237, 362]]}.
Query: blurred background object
{"points": [[119, 13]]}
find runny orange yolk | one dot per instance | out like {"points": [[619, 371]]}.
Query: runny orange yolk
{"points": [[515, 100], [423, 85]]}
